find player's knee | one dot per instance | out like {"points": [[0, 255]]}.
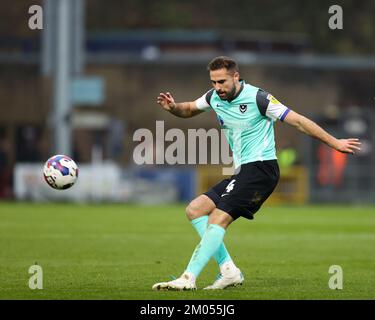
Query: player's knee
{"points": [[196, 209], [192, 211], [200, 206]]}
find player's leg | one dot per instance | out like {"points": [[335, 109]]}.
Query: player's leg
{"points": [[230, 275], [243, 196], [249, 189], [198, 212], [209, 244]]}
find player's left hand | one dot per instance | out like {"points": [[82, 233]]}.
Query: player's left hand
{"points": [[350, 145]]}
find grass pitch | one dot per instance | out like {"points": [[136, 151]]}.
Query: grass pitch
{"points": [[120, 251]]}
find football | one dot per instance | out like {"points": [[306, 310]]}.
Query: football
{"points": [[60, 172]]}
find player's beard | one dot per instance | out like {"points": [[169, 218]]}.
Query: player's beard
{"points": [[230, 94]]}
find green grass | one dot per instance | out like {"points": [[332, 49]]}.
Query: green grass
{"points": [[120, 251]]}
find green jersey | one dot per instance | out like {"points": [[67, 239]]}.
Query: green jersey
{"points": [[247, 121]]}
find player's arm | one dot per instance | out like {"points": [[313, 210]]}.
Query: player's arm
{"points": [[179, 109], [270, 107], [310, 128]]}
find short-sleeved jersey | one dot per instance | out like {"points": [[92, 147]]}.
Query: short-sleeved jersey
{"points": [[247, 121]]}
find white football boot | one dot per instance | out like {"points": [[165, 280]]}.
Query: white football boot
{"points": [[185, 282], [227, 278]]}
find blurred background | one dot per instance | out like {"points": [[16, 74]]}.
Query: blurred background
{"points": [[83, 84]]}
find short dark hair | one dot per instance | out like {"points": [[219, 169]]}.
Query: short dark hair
{"points": [[223, 62]]}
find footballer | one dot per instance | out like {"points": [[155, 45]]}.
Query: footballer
{"points": [[248, 114]]}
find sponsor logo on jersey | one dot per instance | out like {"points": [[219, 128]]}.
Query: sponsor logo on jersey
{"points": [[271, 98], [243, 108]]}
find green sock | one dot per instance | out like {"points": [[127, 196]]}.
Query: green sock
{"points": [[209, 244], [222, 254]]}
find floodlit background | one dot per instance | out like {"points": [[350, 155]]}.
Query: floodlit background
{"points": [[84, 84]]}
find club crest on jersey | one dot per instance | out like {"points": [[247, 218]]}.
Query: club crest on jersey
{"points": [[243, 108]]}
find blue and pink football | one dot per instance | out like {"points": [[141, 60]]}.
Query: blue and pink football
{"points": [[60, 172]]}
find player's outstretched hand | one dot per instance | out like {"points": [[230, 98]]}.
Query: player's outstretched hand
{"points": [[350, 145], [166, 101]]}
